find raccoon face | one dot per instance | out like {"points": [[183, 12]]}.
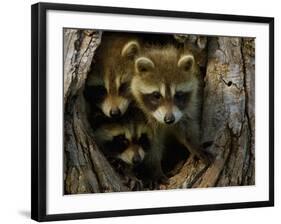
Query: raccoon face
{"points": [[164, 85], [128, 143], [110, 83], [116, 97]]}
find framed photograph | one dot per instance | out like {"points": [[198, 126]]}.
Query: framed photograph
{"points": [[139, 111]]}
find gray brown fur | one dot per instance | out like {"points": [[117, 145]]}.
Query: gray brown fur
{"points": [[134, 131], [113, 69], [168, 71]]}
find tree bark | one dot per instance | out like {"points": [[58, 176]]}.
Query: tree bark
{"points": [[228, 116], [85, 168]]}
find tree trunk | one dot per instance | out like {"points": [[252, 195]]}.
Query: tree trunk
{"points": [[85, 168], [228, 116]]}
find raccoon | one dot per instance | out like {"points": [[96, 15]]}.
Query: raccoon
{"points": [[128, 139], [166, 86], [107, 86]]}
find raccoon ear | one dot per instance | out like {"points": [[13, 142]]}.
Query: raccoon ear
{"points": [[144, 64], [186, 62], [130, 49]]}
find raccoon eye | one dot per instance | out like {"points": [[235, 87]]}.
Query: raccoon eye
{"points": [[123, 88], [180, 95], [156, 95], [144, 141], [121, 141]]}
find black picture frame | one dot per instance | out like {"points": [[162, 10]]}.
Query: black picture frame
{"points": [[38, 108]]}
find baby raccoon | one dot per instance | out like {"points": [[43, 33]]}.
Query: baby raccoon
{"points": [[129, 140], [166, 87], [107, 86]]}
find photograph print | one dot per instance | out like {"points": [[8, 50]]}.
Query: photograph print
{"points": [[157, 111]]}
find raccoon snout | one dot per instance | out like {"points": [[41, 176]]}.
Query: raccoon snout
{"points": [[169, 118], [136, 159], [115, 113]]}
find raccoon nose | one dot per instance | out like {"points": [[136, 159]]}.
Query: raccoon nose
{"points": [[115, 113], [136, 160], [169, 118]]}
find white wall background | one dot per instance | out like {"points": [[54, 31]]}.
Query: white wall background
{"points": [[15, 110]]}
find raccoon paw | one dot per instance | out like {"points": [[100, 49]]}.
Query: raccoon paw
{"points": [[121, 167], [134, 183], [151, 185]]}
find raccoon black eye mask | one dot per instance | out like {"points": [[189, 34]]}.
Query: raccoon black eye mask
{"points": [[120, 143], [181, 99], [144, 142], [123, 89], [153, 100]]}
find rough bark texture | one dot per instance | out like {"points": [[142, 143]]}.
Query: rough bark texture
{"points": [[228, 116], [85, 169]]}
